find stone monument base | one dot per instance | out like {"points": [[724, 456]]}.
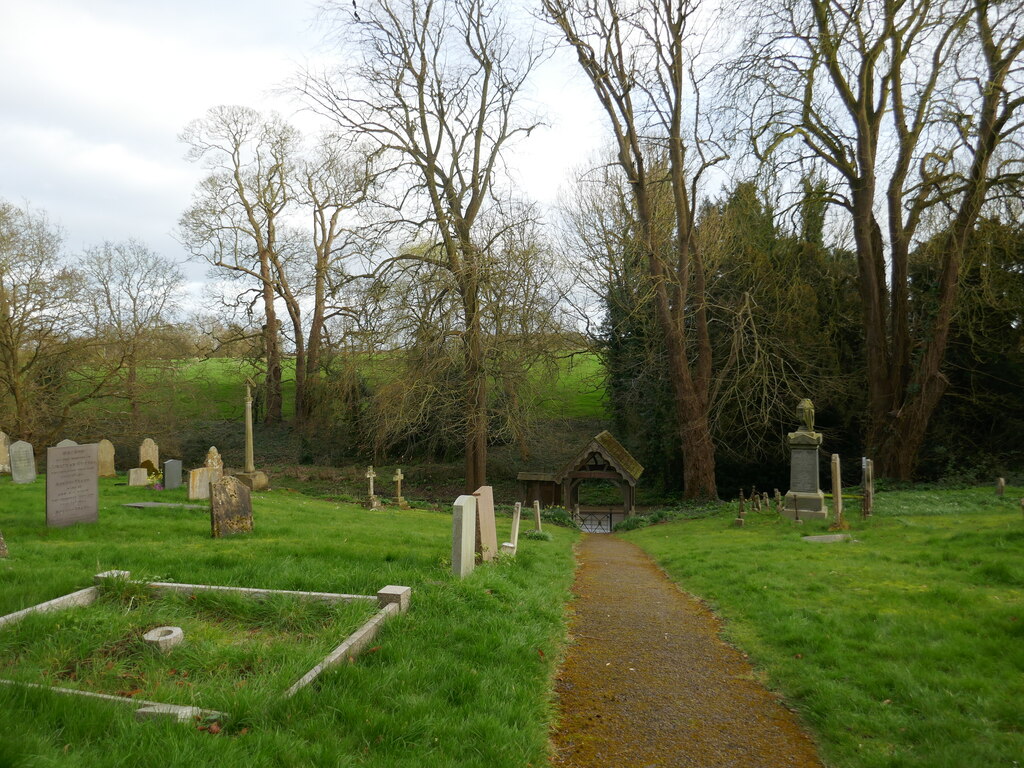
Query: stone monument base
{"points": [[254, 481], [806, 506]]}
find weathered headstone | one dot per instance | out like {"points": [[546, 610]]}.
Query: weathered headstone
{"points": [[106, 459], [536, 515], [72, 485], [138, 477], [399, 499], [837, 490], [487, 533], [199, 481], [149, 451], [805, 498], [510, 547], [23, 463], [5, 454], [372, 501], [1000, 486], [230, 508], [463, 536], [172, 474], [3, 547], [66, 443], [213, 459]]}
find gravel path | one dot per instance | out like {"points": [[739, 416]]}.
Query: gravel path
{"points": [[647, 681]]}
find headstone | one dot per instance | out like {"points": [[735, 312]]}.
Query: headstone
{"points": [[805, 498], [1000, 486], [510, 547], [72, 485], [399, 499], [230, 508], [837, 490], [487, 534], [106, 459], [3, 547], [372, 502], [199, 481], [66, 443], [536, 514], [138, 477], [5, 454], [23, 463], [213, 459], [172, 474], [149, 451], [463, 536]]}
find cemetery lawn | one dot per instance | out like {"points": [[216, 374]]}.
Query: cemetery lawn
{"points": [[463, 679], [903, 647]]}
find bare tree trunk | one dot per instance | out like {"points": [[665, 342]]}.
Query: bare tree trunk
{"points": [[272, 344]]}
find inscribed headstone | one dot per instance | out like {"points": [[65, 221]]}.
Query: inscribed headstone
{"points": [[138, 477], [65, 443], [487, 534], [230, 508], [199, 482], [172, 474], [463, 536], [106, 459], [72, 485], [213, 459], [805, 498], [5, 453], [149, 451], [23, 463]]}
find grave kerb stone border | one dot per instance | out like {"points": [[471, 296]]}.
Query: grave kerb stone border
{"points": [[392, 600]]}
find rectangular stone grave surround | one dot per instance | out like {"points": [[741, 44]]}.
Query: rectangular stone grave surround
{"points": [[72, 485], [172, 474], [23, 463], [138, 477], [105, 453], [464, 536], [391, 600], [487, 539], [230, 508]]}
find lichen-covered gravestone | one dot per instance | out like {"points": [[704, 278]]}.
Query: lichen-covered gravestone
{"points": [[72, 485], [230, 508], [5, 454], [172, 474], [149, 451], [213, 458], [106, 459], [23, 463]]}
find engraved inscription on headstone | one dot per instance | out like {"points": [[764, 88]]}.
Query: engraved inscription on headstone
{"points": [[230, 508], [172, 474], [23, 463], [106, 459], [803, 475], [72, 485]]}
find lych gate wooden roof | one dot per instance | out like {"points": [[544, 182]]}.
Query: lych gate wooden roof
{"points": [[607, 449]]}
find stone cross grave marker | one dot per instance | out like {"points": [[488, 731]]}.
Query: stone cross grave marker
{"points": [[3, 547], [536, 515], [487, 533], [149, 451], [510, 547], [805, 498], [214, 460], [230, 508], [105, 451], [66, 443], [372, 502], [23, 463], [172, 474], [398, 489], [138, 477], [463, 536], [5, 454], [72, 485]]}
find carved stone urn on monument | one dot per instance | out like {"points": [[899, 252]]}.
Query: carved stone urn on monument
{"points": [[805, 499]]}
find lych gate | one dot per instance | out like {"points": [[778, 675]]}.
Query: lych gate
{"points": [[602, 459]]}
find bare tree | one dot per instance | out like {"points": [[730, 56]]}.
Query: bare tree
{"points": [[432, 86], [641, 59], [914, 108]]}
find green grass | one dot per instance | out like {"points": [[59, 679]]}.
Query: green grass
{"points": [[902, 648], [463, 679]]}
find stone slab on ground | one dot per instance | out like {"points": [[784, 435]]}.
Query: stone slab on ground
{"points": [[152, 504], [647, 681], [828, 539]]}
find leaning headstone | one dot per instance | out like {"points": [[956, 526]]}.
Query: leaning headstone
{"points": [[510, 547], [172, 474], [23, 463], [72, 485], [199, 481], [536, 515], [1000, 486], [149, 451], [3, 547], [66, 443], [5, 454], [805, 498], [463, 536], [138, 477], [487, 533], [230, 508], [106, 459]]}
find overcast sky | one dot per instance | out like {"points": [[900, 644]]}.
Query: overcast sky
{"points": [[94, 95]]}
